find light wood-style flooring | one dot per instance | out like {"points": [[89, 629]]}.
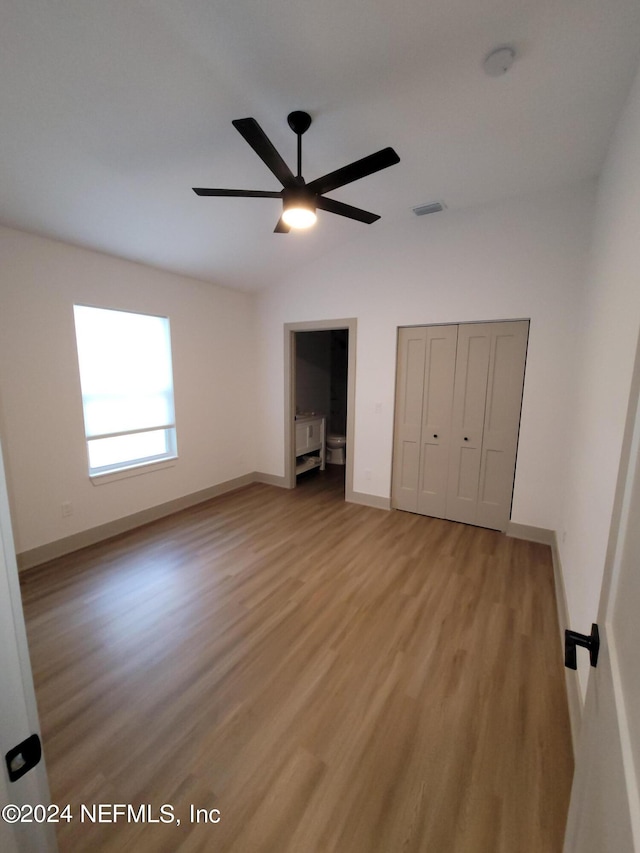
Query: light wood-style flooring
{"points": [[332, 678]]}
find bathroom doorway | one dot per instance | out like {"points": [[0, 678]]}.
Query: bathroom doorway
{"points": [[320, 381]]}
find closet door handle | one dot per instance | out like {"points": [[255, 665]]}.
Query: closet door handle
{"points": [[465, 438], [435, 435]]}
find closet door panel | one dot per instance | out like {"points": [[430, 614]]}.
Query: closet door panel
{"points": [[440, 364], [458, 401], [469, 398], [408, 426], [501, 424]]}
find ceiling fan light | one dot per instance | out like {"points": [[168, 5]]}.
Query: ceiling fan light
{"points": [[299, 207], [299, 217]]}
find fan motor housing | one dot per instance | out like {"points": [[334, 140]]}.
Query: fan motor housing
{"points": [[299, 121], [299, 197]]}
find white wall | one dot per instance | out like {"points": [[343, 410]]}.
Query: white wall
{"points": [[40, 405], [523, 258], [610, 324]]}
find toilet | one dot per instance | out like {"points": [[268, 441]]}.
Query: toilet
{"points": [[336, 448]]}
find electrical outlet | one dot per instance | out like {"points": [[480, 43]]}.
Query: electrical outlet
{"points": [[67, 509], [367, 474]]}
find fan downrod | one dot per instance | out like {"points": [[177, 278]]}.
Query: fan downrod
{"points": [[299, 122]]}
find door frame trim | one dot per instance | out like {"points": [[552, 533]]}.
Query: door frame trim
{"points": [[626, 482], [290, 330]]}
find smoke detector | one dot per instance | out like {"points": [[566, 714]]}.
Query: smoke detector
{"points": [[499, 61]]}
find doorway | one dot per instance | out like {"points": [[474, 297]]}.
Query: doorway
{"points": [[322, 380]]}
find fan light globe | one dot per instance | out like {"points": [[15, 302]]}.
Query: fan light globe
{"points": [[299, 217]]}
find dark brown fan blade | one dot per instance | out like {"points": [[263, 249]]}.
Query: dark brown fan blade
{"points": [[282, 227], [347, 210], [262, 145], [354, 171], [240, 193]]}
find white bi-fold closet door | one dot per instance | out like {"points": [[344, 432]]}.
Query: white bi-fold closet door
{"points": [[458, 400]]}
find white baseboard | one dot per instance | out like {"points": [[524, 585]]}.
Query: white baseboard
{"points": [[530, 533], [60, 547], [574, 694], [270, 479], [364, 499], [572, 682]]}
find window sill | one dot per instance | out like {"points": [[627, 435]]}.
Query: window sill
{"points": [[132, 471]]}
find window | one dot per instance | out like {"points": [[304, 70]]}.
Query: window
{"points": [[127, 388]]}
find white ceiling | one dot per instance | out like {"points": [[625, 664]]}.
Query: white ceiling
{"points": [[112, 111]]}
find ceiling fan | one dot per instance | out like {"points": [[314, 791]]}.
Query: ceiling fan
{"points": [[300, 199]]}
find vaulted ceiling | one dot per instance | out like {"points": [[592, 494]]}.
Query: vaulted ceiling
{"points": [[112, 111]]}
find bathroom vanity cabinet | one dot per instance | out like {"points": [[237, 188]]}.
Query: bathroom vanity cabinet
{"points": [[310, 443]]}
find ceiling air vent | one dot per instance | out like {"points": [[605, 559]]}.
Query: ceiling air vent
{"points": [[432, 207]]}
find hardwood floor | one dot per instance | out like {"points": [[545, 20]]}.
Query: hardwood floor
{"points": [[328, 676]]}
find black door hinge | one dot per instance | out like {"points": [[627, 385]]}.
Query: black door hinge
{"points": [[573, 639]]}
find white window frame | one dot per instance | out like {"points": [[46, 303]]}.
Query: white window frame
{"points": [[130, 466]]}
